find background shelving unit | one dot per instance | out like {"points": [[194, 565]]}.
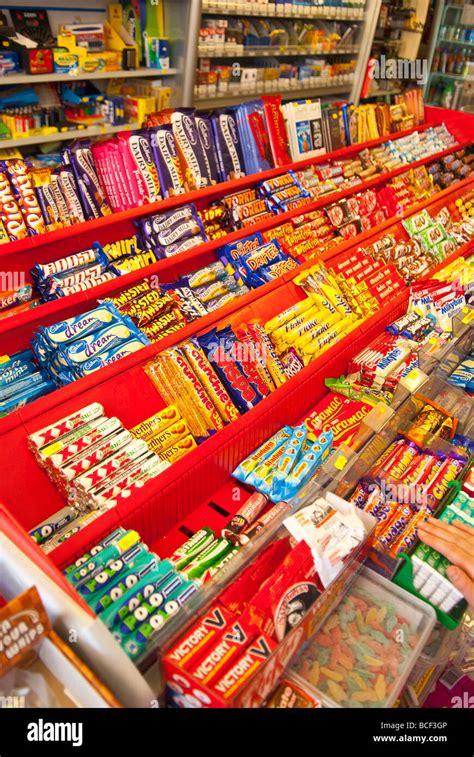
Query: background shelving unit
{"points": [[309, 91], [14, 79], [177, 13], [452, 31], [350, 12], [360, 15]]}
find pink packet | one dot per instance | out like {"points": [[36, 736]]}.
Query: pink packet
{"points": [[118, 174], [100, 160], [131, 175]]}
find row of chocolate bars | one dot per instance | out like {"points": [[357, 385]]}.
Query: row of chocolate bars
{"points": [[175, 152], [174, 232], [338, 298]]}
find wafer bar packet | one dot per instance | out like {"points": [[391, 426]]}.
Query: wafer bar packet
{"points": [[178, 384], [208, 378]]}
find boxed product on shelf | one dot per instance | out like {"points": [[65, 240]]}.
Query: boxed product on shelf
{"points": [[30, 38]]}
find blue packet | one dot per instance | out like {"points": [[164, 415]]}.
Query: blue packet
{"points": [[112, 355], [15, 367], [26, 396], [256, 147], [79, 326], [26, 382], [82, 350]]}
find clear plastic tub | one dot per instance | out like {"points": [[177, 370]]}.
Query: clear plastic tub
{"points": [[438, 650], [364, 653]]}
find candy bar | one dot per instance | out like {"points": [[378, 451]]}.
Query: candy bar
{"points": [[70, 192], [23, 189], [44, 530], [10, 213], [228, 145], [67, 331], [166, 158], [50, 433], [193, 160], [93, 198]]}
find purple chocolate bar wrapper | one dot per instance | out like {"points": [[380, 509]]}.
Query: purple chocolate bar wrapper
{"points": [[71, 194], [79, 156], [181, 246], [227, 141], [166, 158], [48, 205], [59, 197], [204, 127], [188, 143]]}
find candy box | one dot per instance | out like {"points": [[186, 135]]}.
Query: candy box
{"points": [[363, 654]]}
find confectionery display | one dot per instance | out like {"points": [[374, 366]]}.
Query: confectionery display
{"points": [[236, 362]]}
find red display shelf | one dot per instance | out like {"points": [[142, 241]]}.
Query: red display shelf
{"points": [[19, 338], [168, 269], [19, 257], [162, 504], [166, 500], [87, 230], [126, 392]]}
